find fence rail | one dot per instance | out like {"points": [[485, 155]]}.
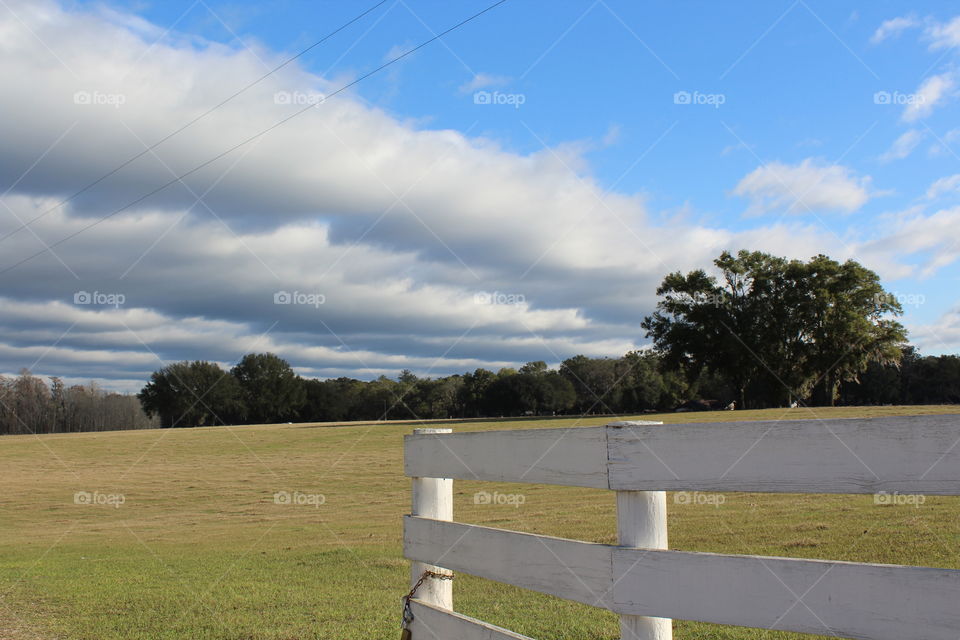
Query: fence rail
{"points": [[640, 579]]}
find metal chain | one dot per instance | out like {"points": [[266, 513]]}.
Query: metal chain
{"points": [[407, 613]]}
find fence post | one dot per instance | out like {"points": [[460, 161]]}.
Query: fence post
{"points": [[642, 522], [432, 498]]}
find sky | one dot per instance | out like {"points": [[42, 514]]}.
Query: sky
{"points": [[512, 191]]}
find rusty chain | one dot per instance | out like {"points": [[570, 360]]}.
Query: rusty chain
{"points": [[407, 613]]}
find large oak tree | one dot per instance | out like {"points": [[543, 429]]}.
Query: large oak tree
{"points": [[778, 329]]}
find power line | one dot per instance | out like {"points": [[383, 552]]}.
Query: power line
{"points": [[203, 115], [254, 137]]}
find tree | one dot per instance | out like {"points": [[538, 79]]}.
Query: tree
{"points": [[595, 383], [473, 393], [775, 328], [271, 390], [849, 327], [186, 394]]}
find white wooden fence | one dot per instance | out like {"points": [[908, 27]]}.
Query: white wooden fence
{"points": [[640, 578]]}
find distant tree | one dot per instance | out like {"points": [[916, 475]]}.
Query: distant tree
{"points": [[270, 389], [595, 383], [187, 394], [641, 384], [473, 393]]}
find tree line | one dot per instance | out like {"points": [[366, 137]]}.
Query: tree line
{"points": [[263, 388], [202, 393], [31, 405], [759, 331]]}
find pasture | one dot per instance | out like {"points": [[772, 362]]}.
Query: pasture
{"points": [[177, 533]]}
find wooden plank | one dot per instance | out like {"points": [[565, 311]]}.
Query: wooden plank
{"points": [[908, 455], [569, 569], [879, 602], [572, 457], [840, 599], [433, 623]]}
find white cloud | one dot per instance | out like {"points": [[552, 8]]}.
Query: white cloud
{"points": [[941, 336], [903, 146], [313, 207], [929, 94], [944, 35], [944, 185], [942, 145], [925, 244], [893, 27], [482, 81], [803, 188]]}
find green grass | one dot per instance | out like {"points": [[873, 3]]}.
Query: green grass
{"points": [[200, 550]]}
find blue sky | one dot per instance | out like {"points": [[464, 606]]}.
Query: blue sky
{"points": [[810, 127]]}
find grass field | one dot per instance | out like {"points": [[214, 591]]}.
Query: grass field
{"points": [[199, 549]]}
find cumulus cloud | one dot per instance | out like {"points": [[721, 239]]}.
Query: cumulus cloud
{"points": [[431, 250], [932, 92], [903, 146], [347, 240], [802, 188], [893, 27]]}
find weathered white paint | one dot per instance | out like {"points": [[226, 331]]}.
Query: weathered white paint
{"points": [[918, 454], [909, 454], [432, 498], [642, 522], [572, 457], [851, 600], [870, 601], [566, 568], [432, 623], [647, 584]]}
